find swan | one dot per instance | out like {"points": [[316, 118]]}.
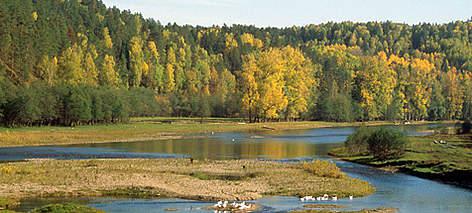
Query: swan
{"points": [[351, 197], [335, 198]]}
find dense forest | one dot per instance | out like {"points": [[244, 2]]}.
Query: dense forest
{"points": [[69, 62]]}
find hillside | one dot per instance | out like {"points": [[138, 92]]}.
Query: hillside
{"points": [[70, 62]]}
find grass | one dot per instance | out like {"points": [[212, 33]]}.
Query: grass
{"points": [[323, 206], [65, 208], [323, 169], [170, 178], [145, 129], [451, 162], [7, 203], [378, 210]]}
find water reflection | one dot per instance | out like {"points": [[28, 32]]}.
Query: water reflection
{"points": [[249, 145]]}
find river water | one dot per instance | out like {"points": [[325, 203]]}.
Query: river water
{"points": [[408, 193]]}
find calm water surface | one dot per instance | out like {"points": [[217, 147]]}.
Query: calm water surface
{"points": [[408, 193]]}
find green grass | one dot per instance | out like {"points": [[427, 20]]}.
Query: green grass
{"points": [[423, 157], [145, 129], [65, 208], [322, 210]]}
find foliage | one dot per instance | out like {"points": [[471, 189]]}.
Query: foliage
{"points": [[386, 143], [357, 143], [323, 169], [335, 71], [466, 127]]}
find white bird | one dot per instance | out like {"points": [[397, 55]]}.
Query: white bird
{"points": [[319, 198], [232, 140], [351, 197], [335, 198]]}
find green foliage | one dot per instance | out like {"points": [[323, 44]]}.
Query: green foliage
{"points": [[357, 143], [386, 143], [323, 169], [65, 208], [466, 127]]}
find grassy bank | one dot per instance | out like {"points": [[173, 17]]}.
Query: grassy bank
{"points": [[449, 162], [334, 210], [144, 129], [201, 180]]}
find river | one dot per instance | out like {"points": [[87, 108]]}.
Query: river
{"points": [[406, 192]]}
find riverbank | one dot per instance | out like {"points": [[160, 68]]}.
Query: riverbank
{"points": [[176, 178], [150, 129], [441, 157]]}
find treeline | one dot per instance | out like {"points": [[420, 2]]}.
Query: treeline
{"points": [[335, 71], [39, 104]]}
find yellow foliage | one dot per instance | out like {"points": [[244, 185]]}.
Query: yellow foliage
{"points": [[34, 15], [249, 39], [107, 39]]}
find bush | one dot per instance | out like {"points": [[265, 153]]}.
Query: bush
{"points": [[386, 143], [466, 127], [356, 144], [65, 208], [323, 169]]}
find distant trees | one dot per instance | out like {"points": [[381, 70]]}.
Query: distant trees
{"points": [[276, 84], [334, 71]]}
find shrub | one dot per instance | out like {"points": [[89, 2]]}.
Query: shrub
{"points": [[356, 144], [466, 127], [323, 169], [386, 143]]}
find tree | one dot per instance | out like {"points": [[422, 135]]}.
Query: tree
{"points": [[375, 82], [108, 75], [453, 94], [169, 80], [47, 70], [70, 66], [386, 143], [90, 69], [137, 64], [356, 144], [299, 77], [77, 106], [437, 110], [250, 88]]}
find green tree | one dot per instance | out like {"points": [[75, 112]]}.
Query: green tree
{"points": [[386, 143]]}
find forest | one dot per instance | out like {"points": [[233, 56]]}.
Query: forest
{"points": [[72, 62]]}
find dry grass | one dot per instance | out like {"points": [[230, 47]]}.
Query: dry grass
{"points": [[228, 180], [323, 169]]}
